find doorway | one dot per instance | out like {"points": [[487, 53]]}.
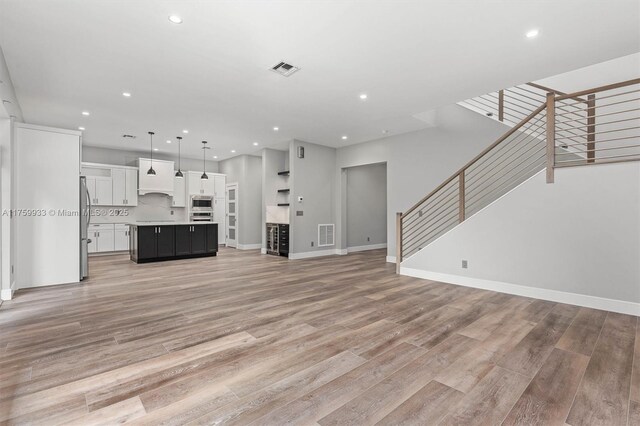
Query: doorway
{"points": [[232, 215], [366, 207]]}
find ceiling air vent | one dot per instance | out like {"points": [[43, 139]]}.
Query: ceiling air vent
{"points": [[128, 136], [284, 69]]}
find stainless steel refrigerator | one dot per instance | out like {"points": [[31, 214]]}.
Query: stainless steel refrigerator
{"points": [[85, 219]]}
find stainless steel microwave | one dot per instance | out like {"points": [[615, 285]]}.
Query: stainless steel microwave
{"points": [[201, 203]]}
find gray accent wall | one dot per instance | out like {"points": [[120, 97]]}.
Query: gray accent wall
{"points": [[246, 171], [312, 178], [366, 205]]}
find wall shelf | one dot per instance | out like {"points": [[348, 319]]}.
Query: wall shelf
{"points": [[283, 191], [283, 204], [285, 173]]}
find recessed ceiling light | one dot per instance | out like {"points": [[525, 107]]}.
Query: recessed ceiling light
{"points": [[126, 94], [155, 149], [215, 156], [275, 129], [185, 131], [255, 144], [363, 96], [85, 112], [168, 141], [80, 128], [533, 33], [344, 138], [175, 19], [233, 151]]}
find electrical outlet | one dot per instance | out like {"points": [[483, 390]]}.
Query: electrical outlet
{"points": [[299, 213], [465, 264], [171, 212], [368, 238], [311, 243]]}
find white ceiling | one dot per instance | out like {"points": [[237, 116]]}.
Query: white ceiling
{"points": [[209, 74]]}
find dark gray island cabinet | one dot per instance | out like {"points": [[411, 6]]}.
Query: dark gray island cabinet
{"points": [[152, 242]]}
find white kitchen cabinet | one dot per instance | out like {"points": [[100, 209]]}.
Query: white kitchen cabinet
{"points": [[132, 187], [179, 192], [198, 186], [219, 216], [102, 238], [220, 185], [161, 182], [119, 180], [100, 190], [121, 237]]}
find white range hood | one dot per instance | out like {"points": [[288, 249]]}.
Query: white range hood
{"points": [[161, 182]]}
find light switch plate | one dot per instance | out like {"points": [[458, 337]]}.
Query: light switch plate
{"points": [[299, 213]]}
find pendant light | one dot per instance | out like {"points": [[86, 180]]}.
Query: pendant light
{"points": [[179, 172], [204, 164], [151, 172]]}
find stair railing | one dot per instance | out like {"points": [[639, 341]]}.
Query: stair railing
{"points": [[600, 125]]}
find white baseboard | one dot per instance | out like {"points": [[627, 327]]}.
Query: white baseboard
{"points": [[263, 251], [620, 306], [6, 294], [391, 259], [342, 252], [365, 248], [249, 246]]}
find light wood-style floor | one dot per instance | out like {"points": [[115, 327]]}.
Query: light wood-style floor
{"points": [[251, 339]]}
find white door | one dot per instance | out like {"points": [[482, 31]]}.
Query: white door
{"points": [[220, 217], [232, 215], [119, 187]]}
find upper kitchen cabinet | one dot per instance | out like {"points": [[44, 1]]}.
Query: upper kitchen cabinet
{"points": [[110, 185], [198, 186], [179, 192], [220, 184], [125, 186], [161, 182], [100, 190]]}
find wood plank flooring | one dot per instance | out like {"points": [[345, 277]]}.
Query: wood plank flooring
{"points": [[249, 339]]}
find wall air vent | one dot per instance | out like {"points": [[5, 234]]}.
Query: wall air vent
{"points": [[284, 68], [325, 235], [128, 136]]}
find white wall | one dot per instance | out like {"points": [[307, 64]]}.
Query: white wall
{"points": [[417, 162], [366, 206], [246, 170], [7, 234], [575, 241]]}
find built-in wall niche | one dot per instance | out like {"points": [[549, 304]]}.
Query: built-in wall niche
{"points": [[283, 191]]}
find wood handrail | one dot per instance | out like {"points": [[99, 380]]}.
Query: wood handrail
{"points": [[477, 157], [557, 92], [599, 89]]}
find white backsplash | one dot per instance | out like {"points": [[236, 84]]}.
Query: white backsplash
{"points": [[277, 214], [151, 207]]}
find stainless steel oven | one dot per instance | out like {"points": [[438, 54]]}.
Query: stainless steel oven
{"points": [[201, 208]]}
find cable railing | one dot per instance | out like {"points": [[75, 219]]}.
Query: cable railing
{"points": [[600, 125]]}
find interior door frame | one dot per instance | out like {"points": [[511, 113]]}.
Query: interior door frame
{"points": [[231, 243]]}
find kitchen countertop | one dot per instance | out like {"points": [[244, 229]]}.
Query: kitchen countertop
{"points": [[161, 223]]}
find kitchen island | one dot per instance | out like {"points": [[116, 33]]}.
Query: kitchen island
{"points": [[158, 241]]}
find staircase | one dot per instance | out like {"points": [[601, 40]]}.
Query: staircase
{"points": [[549, 130]]}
